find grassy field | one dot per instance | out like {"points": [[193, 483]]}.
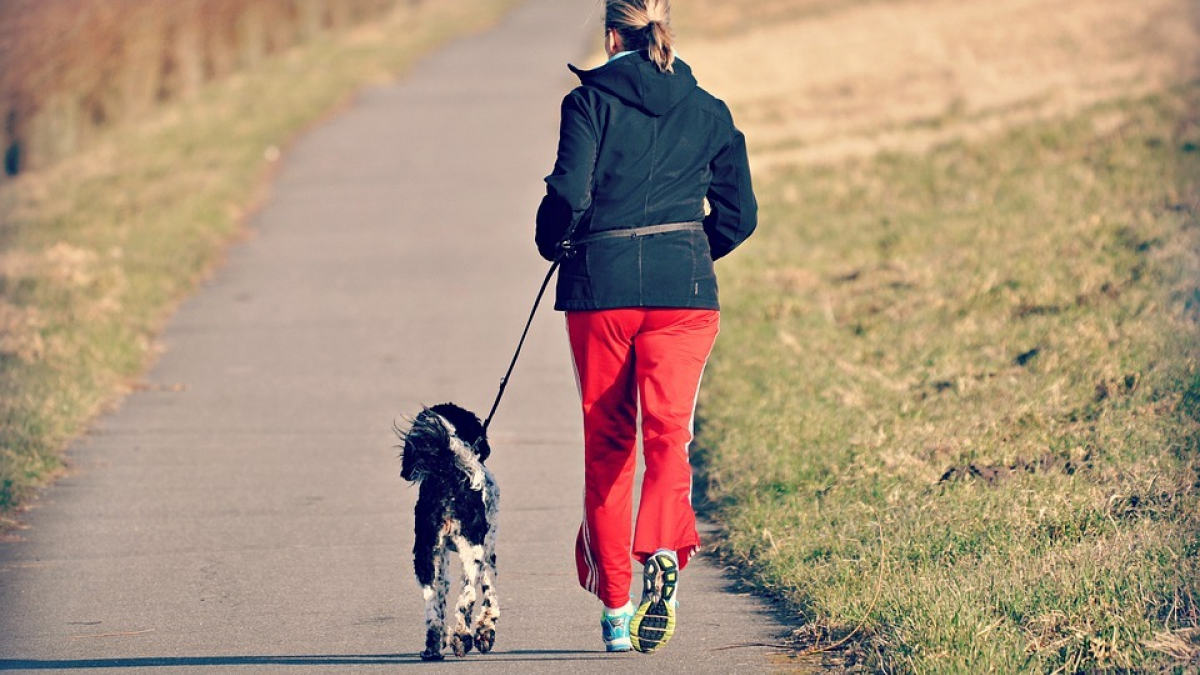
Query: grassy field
{"points": [[954, 411], [957, 394], [96, 250]]}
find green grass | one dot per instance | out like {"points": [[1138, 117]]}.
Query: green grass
{"points": [[96, 251], [956, 398]]}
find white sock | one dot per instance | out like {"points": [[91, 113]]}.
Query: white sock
{"points": [[673, 554], [624, 609]]}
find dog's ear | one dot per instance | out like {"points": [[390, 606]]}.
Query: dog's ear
{"points": [[468, 428], [422, 441], [408, 460]]}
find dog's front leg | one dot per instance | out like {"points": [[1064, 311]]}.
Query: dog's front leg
{"points": [[471, 557]]}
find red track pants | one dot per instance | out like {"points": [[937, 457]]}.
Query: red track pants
{"points": [[621, 356]]}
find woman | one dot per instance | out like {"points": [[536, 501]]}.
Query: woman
{"points": [[641, 147]]}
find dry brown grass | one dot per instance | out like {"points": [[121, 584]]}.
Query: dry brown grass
{"points": [[71, 68], [820, 81]]}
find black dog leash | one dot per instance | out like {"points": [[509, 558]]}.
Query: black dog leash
{"points": [[566, 249], [524, 334]]}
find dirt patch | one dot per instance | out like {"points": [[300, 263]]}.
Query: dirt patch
{"points": [[821, 649], [994, 474]]}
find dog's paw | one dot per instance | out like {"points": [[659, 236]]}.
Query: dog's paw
{"points": [[461, 643], [433, 645], [485, 639]]}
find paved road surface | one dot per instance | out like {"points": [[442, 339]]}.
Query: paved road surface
{"points": [[245, 515]]}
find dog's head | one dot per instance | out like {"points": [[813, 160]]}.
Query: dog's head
{"points": [[442, 437]]}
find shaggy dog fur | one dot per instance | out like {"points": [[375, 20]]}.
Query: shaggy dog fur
{"points": [[444, 451]]}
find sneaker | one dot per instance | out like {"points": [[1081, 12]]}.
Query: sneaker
{"points": [[654, 622], [616, 629]]}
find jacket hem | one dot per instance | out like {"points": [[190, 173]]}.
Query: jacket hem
{"points": [[592, 307]]}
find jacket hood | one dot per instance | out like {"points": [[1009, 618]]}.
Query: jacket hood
{"points": [[637, 82]]}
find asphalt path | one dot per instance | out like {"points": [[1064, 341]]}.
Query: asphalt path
{"points": [[243, 512]]}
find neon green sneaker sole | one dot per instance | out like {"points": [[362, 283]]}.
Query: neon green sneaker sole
{"points": [[654, 621]]}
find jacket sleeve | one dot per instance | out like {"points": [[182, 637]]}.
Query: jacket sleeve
{"points": [[569, 187], [733, 211]]}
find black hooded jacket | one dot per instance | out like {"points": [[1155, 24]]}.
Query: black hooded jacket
{"points": [[640, 147]]}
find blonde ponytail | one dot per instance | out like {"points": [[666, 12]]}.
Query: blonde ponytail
{"points": [[662, 46], [644, 24]]}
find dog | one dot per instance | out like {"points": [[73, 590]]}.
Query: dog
{"points": [[444, 450]]}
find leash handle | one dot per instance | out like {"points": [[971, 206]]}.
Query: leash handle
{"points": [[524, 334]]}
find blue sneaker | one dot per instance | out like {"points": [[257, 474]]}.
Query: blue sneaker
{"points": [[654, 622], [616, 629]]}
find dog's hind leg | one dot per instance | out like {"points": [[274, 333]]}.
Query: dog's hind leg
{"points": [[471, 556], [444, 593], [432, 561], [485, 628]]}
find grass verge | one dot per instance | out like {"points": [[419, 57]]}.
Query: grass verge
{"points": [[96, 251], [956, 398]]}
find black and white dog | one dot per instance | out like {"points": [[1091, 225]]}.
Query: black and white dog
{"points": [[444, 451]]}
